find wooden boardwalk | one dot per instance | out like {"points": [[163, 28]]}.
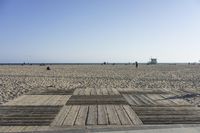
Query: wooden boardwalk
{"points": [[47, 109]]}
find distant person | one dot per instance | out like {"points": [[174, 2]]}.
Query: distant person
{"points": [[136, 64], [48, 68]]}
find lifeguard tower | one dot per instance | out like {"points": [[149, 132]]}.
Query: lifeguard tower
{"points": [[152, 61]]}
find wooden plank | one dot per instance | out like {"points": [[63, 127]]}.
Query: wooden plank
{"points": [[82, 116], [45, 99], [119, 89], [54, 100], [110, 91], [112, 115], [140, 100], [71, 117], [43, 128], [27, 115], [163, 101], [76, 91], [150, 100], [128, 99], [22, 101], [96, 99], [8, 129], [132, 115], [124, 118], [163, 112], [146, 100], [12, 102], [93, 91], [176, 101], [155, 99], [171, 108], [42, 100], [2, 128], [99, 92], [63, 99], [30, 128], [102, 115], [92, 115], [115, 91], [52, 92], [58, 121], [49, 100], [171, 117], [135, 100], [58, 100], [16, 128]]}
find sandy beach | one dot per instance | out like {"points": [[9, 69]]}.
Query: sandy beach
{"points": [[181, 79]]}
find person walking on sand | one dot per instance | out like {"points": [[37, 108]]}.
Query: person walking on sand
{"points": [[136, 64]]}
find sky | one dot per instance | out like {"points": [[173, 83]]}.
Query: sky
{"points": [[70, 31]]}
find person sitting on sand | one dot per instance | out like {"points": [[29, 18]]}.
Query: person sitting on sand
{"points": [[48, 68]]}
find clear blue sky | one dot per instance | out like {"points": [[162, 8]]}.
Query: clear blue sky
{"points": [[99, 30]]}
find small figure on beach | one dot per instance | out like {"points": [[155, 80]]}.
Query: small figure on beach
{"points": [[136, 64], [48, 68]]}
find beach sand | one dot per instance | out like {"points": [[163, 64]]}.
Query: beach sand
{"points": [[181, 79]]}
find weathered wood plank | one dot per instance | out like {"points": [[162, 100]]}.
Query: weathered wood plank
{"points": [[12, 102], [96, 99], [62, 100], [16, 128], [170, 108], [124, 118], [115, 91], [92, 115], [3, 128], [146, 100], [110, 91], [71, 117], [112, 115], [102, 115], [50, 99], [27, 115], [140, 100], [128, 99], [135, 100], [76, 91], [93, 91], [30, 128], [176, 101], [132, 115], [43, 100], [54, 100], [58, 121], [171, 117], [150, 100], [82, 116], [162, 101], [99, 92]]}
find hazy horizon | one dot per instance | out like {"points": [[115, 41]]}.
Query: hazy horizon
{"points": [[94, 31]]}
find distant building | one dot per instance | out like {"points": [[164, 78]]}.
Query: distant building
{"points": [[152, 61]]}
